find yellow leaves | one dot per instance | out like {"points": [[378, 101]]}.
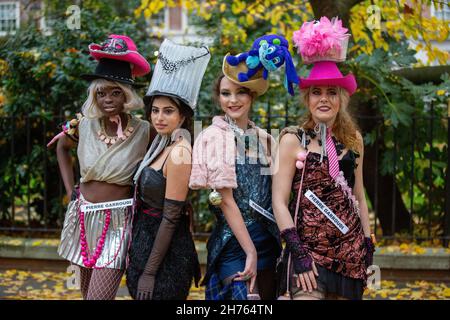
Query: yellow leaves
{"points": [[275, 15], [397, 24], [172, 3], [149, 8], [417, 290], [238, 6], [223, 7], [205, 9], [388, 284], [21, 285], [232, 32], [190, 5], [36, 243], [262, 112], [446, 292], [249, 19], [383, 293], [11, 241], [419, 250], [3, 67], [405, 248], [147, 13], [48, 69], [45, 242]]}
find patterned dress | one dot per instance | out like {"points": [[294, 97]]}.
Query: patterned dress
{"points": [[225, 255], [338, 257]]}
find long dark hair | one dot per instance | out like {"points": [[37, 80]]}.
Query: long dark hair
{"points": [[183, 108]]}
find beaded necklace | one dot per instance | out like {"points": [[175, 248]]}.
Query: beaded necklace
{"points": [[110, 140]]}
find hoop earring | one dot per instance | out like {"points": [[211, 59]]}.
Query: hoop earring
{"points": [[317, 128]]}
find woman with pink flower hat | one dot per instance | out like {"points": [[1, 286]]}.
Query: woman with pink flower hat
{"points": [[326, 224], [110, 143]]}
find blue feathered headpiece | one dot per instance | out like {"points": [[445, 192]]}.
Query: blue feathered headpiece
{"points": [[268, 52]]}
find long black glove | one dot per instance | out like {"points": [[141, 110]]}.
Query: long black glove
{"points": [[368, 259], [171, 216], [301, 259]]}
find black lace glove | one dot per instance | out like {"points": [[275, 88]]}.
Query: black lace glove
{"points": [[368, 259], [171, 216], [301, 259]]}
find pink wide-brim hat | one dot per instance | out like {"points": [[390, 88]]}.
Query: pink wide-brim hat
{"points": [[326, 73], [120, 47]]}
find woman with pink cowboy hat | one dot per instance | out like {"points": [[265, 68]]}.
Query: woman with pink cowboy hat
{"points": [[326, 224], [110, 143]]}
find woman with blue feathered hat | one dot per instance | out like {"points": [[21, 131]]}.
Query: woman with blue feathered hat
{"points": [[233, 158]]}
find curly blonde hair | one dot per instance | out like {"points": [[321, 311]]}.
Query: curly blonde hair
{"points": [[344, 128], [90, 108]]}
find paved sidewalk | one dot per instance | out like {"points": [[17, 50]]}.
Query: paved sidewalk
{"points": [[31, 269], [51, 285]]}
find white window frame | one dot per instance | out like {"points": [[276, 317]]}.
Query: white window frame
{"points": [[17, 13], [445, 11]]}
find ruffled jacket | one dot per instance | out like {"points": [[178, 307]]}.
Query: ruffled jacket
{"points": [[214, 154]]}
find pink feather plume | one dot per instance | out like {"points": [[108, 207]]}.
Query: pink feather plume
{"points": [[319, 38]]}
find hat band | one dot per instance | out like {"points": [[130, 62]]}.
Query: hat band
{"points": [[115, 45], [173, 66], [114, 53], [117, 77]]}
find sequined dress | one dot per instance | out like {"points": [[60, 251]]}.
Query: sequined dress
{"points": [[225, 256]]}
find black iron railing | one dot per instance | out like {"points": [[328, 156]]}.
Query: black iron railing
{"points": [[32, 190]]}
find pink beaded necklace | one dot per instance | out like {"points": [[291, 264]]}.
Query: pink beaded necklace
{"points": [[91, 261]]}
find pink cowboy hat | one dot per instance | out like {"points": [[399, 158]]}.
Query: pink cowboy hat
{"points": [[119, 47], [326, 73]]}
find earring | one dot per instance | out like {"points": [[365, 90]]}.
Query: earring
{"points": [[317, 128]]}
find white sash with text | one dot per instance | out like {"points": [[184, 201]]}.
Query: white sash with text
{"points": [[261, 210], [326, 211], [107, 205]]}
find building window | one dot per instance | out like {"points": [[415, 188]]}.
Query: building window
{"points": [[442, 11], [9, 17], [175, 18], [170, 20]]}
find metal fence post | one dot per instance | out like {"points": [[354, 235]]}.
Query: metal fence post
{"points": [[447, 184]]}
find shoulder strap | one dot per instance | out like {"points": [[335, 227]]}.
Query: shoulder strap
{"points": [[167, 157], [170, 151]]}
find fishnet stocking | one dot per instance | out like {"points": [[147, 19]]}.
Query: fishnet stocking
{"points": [[85, 278], [100, 284]]}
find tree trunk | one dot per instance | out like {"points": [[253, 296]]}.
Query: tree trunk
{"points": [[333, 8]]}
